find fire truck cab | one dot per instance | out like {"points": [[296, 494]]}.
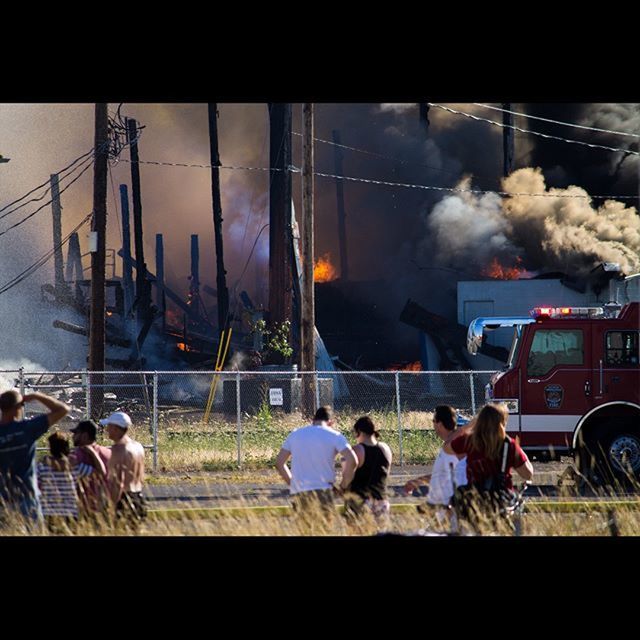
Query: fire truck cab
{"points": [[572, 385]]}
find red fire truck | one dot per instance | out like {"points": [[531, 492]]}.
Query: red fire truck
{"points": [[572, 384]]}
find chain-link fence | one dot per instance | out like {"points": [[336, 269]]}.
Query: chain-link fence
{"points": [[213, 420]]}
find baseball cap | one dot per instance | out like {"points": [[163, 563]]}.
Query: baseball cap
{"points": [[86, 426], [119, 418]]}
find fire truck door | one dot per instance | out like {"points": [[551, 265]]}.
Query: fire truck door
{"points": [[616, 374], [557, 382]]}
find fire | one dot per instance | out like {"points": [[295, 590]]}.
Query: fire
{"points": [[324, 271], [173, 318], [497, 271], [411, 366]]}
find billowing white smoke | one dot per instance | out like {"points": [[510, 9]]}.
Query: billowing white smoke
{"points": [[566, 234], [469, 230]]}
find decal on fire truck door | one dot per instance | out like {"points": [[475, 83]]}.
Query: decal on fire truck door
{"points": [[553, 394]]}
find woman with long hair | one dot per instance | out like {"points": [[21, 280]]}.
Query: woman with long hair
{"points": [[491, 456]]}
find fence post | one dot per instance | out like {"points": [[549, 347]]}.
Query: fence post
{"points": [[317, 388], [21, 379], [239, 418], [399, 417], [87, 377], [473, 393], [154, 421]]}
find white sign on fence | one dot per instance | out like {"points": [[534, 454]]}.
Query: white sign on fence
{"points": [[275, 397]]}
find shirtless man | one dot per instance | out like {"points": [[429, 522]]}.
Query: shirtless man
{"points": [[125, 471]]}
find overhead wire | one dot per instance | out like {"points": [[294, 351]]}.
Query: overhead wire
{"points": [[31, 269], [565, 124], [535, 133]]}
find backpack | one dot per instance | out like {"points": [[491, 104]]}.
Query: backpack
{"points": [[496, 487], [493, 488]]}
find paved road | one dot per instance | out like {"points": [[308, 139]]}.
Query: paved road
{"points": [[215, 491]]}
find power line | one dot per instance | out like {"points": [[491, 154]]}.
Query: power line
{"points": [[30, 270], [457, 190], [534, 133], [566, 124], [392, 159], [61, 179], [17, 224], [402, 184], [46, 182]]}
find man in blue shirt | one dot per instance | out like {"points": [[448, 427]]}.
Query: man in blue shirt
{"points": [[18, 482]]}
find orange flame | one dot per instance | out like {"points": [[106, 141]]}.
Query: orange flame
{"points": [[324, 271], [497, 271], [411, 366]]}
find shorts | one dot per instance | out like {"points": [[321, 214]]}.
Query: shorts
{"points": [[318, 499], [132, 507]]}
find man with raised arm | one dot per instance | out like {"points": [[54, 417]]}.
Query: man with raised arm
{"points": [[18, 437]]}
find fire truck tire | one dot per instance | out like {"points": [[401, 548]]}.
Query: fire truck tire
{"points": [[612, 455]]}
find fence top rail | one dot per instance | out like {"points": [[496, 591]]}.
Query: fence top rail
{"points": [[84, 372]]}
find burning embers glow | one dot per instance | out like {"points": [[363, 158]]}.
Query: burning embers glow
{"points": [[500, 272], [411, 366], [323, 270]]}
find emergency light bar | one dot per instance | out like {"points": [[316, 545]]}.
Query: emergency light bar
{"points": [[567, 312]]}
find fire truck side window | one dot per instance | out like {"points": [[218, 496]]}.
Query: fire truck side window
{"points": [[552, 348], [621, 348]]}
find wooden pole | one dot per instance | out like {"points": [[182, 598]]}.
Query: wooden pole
{"points": [[98, 227], [194, 286], [308, 300], [342, 216], [56, 210], [143, 289], [508, 140], [280, 232], [161, 300], [424, 116], [221, 280]]}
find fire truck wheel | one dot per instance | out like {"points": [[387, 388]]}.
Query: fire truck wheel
{"points": [[616, 452]]}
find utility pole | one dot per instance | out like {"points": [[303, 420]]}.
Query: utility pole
{"points": [[56, 210], [161, 300], [307, 325], [424, 116], [508, 140], [194, 279], [221, 280], [99, 228], [342, 217], [127, 277], [143, 288], [280, 231]]}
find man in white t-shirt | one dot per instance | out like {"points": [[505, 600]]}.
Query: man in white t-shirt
{"points": [[313, 451], [448, 472]]}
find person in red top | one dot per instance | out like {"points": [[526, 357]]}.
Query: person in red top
{"points": [[484, 447]]}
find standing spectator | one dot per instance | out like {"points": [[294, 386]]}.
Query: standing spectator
{"points": [[368, 489], [445, 475], [125, 473], [93, 488], [57, 483], [485, 445], [18, 485], [313, 450]]}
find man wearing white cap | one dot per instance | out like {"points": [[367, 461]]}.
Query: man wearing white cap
{"points": [[125, 473]]}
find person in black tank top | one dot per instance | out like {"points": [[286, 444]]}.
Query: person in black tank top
{"points": [[368, 489]]}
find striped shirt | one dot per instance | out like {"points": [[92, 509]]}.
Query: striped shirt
{"points": [[58, 489]]}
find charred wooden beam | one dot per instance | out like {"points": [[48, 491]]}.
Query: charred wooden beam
{"points": [[170, 294], [75, 328]]}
